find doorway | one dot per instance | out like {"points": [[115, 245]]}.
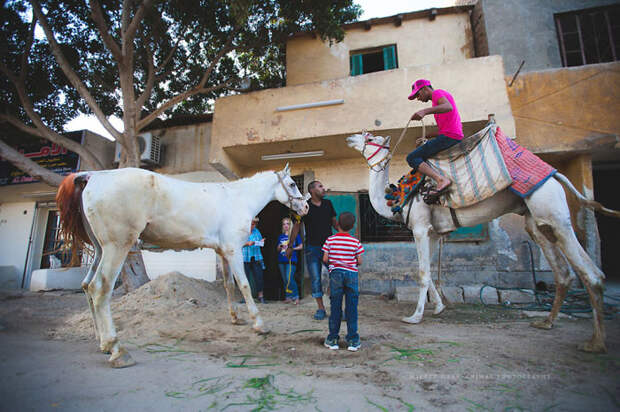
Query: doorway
{"points": [[606, 178], [270, 227]]}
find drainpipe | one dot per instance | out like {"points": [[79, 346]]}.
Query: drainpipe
{"points": [[32, 224]]}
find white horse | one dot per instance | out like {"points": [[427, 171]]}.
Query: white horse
{"points": [[547, 220], [111, 209]]}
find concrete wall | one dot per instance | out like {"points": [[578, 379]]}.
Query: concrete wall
{"points": [[418, 42], [525, 30], [561, 110], [15, 223], [375, 101]]}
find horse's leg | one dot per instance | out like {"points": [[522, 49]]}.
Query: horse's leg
{"points": [[235, 260], [561, 271], [552, 217], [421, 234], [433, 294], [228, 286], [91, 271], [100, 288]]}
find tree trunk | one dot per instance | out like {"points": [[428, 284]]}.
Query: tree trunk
{"points": [[133, 273]]}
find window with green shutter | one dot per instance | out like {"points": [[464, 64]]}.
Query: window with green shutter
{"points": [[373, 60]]}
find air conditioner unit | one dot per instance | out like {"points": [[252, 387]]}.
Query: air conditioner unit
{"points": [[149, 147]]}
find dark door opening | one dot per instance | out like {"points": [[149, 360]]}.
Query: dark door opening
{"points": [[606, 192], [270, 226]]}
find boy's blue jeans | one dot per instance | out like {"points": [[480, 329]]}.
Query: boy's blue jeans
{"points": [[343, 282], [314, 260], [254, 273], [288, 278]]}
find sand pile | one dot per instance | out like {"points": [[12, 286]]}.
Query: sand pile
{"points": [[169, 306]]}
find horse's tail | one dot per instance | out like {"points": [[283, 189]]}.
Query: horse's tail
{"points": [[587, 202], [69, 202]]}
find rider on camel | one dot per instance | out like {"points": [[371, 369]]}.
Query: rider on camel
{"points": [[450, 131]]}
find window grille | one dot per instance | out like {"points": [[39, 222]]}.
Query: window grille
{"points": [[589, 36]]}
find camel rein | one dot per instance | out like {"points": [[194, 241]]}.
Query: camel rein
{"points": [[390, 153]]}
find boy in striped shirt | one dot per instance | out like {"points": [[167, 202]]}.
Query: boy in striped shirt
{"points": [[343, 254]]}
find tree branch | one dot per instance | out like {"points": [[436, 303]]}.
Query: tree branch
{"points": [[130, 31], [108, 40], [69, 72], [177, 99], [150, 78], [32, 168]]}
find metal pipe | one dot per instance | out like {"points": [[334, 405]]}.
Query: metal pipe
{"points": [[309, 105]]}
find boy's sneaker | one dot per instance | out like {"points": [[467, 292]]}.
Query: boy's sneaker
{"points": [[354, 346], [320, 314], [331, 344]]}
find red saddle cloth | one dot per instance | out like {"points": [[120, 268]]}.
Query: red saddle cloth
{"points": [[528, 171]]}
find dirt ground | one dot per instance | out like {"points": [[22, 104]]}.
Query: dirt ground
{"points": [[190, 357]]}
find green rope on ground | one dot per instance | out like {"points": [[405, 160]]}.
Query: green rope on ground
{"points": [[577, 302]]}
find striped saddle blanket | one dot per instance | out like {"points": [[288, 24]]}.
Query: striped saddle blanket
{"points": [[486, 163]]}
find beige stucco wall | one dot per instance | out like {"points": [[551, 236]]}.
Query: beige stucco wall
{"points": [[186, 148], [244, 124], [419, 41]]}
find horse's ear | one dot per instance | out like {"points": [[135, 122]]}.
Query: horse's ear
{"points": [[287, 169]]}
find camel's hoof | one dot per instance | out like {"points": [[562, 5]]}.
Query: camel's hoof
{"points": [[121, 359], [238, 321], [412, 319], [592, 347], [542, 324], [439, 309]]}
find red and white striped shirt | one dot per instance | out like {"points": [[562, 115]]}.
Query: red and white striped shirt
{"points": [[343, 249]]}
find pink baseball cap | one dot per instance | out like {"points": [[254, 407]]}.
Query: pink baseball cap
{"points": [[416, 86]]}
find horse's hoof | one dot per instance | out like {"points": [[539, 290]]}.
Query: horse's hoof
{"points": [[238, 321], [412, 319], [260, 328], [542, 324], [440, 307], [592, 347], [121, 359]]}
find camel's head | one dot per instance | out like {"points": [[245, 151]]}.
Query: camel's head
{"points": [[369, 146]]}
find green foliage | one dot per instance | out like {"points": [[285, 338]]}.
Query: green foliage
{"points": [[194, 31]]}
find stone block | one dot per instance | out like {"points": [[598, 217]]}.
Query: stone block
{"points": [[407, 294], [471, 294], [452, 294], [64, 278], [516, 296]]}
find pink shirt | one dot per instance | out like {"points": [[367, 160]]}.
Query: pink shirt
{"points": [[343, 250], [449, 124]]}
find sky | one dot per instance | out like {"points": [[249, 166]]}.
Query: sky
{"points": [[371, 9]]}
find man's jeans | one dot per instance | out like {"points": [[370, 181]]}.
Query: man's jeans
{"points": [[288, 278], [314, 260], [432, 147], [343, 282], [254, 273]]}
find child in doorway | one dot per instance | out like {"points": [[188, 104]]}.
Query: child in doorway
{"points": [[343, 254], [287, 266]]}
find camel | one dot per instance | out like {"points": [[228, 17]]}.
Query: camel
{"points": [[112, 209], [547, 221]]}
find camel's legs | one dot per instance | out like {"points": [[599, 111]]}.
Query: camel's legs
{"points": [[561, 271], [421, 233], [100, 288], [228, 286], [433, 294], [235, 260], [552, 217]]}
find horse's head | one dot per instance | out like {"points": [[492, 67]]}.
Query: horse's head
{"points": [[288, 194], [375, 149]]}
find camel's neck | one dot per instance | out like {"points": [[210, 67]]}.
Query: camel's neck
{"points": [[253, 193], [376, 191]]}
